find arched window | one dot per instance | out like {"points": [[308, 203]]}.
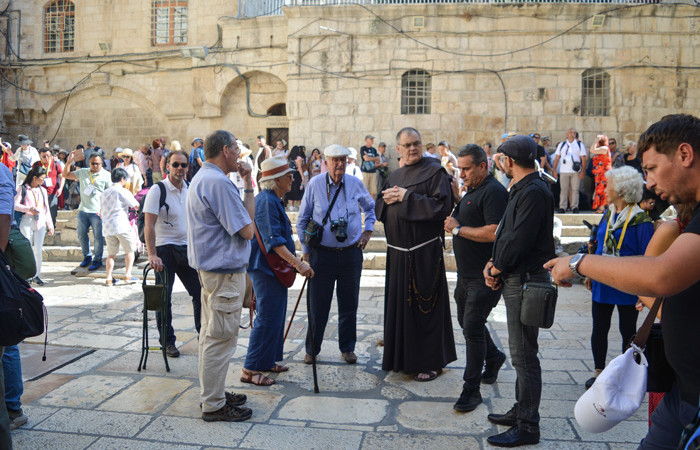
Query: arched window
{"points": [[415, 92], [59, 26], [595, 93], [169, 22], [278, 109]]}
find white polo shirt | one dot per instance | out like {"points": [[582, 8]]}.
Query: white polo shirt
{"points": [[569, 152], [171, 226]]}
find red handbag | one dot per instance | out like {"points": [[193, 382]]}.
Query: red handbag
{"points": [[284, 272]]}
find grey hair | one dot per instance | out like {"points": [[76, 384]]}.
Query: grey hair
{"points": [[215, 142], [268, 185], [406, 130], [628, 183]]}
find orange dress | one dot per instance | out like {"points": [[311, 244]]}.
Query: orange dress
{"points": [[601, 164]]}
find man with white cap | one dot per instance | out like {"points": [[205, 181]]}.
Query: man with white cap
{"points": [[25, 156], [335, 202], [351, 168]]}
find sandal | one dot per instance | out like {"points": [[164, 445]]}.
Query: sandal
{"points": [[111, 282], [278, 369], [256, 378], [432, 374]]}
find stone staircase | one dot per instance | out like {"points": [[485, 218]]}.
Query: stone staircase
{"points": [[64, 245]]}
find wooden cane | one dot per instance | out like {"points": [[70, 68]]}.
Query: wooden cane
{"points": [[295, 310]]}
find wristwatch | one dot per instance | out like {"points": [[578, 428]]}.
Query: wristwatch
{"points": [[455, 230], [574, 263]]}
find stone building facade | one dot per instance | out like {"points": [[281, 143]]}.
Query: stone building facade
{"points": [[331, 74]]}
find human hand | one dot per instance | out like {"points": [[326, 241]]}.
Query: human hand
{"points": [[450, 224], [588, 283], [33, 211], [364, 239], [559, 267], [639, 306], [305, 257], [244, 170], [492, 276], [51, 231], [155, 262], [71, 158], [393, 195]]}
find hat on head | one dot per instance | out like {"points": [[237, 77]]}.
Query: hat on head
{"points": [[335, 151], [57, 147], [544, 138], [126, 152], [369, 136], [504, 136], [353, 153], [197, 139], [24, 140], [274, 167], [520, 148], [245, 151]]}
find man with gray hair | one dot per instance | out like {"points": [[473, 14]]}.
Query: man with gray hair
{"points": [[219, 230], [335, 202]]}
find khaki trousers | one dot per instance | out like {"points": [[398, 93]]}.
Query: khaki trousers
{"points": [[370, 182], [222, 300], [569, 182]]}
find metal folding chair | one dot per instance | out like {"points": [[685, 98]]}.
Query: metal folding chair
{"points": [[154, 299]]}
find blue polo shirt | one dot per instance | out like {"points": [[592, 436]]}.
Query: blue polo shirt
{"points": [[215, 215]]}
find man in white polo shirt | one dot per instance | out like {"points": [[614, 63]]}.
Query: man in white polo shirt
{"points": [[166, 240], [569, 167]]}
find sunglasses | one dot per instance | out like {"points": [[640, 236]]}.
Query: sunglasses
{"points": [[178, 165]]}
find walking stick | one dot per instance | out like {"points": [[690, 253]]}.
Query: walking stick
{"points": [[311, 336], [295, 310]]}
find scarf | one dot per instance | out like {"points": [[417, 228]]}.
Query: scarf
{"points": [[630, 216]]}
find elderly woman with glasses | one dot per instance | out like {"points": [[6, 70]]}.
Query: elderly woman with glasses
{"points": [[134, 180], [273, 236], [624, 230]]}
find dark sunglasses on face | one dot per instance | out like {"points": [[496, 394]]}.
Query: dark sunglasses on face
{"points": [[177, 165]]}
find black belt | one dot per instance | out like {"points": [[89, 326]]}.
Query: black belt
{"points": [[336, 249]]}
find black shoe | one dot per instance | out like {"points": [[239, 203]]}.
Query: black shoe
{"points": [[514, 437], [172, 351], [575, 210], [86, 261], [509, 419], [589, 383], [39, 281], [228, 413], [233, 399], [561, 211], [468, 401], [491, 372]]}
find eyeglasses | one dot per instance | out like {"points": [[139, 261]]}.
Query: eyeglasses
{"points": [[177, 165], [95, 164], [411, 144]]}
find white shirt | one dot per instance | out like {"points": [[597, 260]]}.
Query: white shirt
{"points": [[569, 152], [171, 226], [352, 169], [114, 210], [430, 155]]}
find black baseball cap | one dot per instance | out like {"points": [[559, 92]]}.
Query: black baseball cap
{"points": [[520, 148]]}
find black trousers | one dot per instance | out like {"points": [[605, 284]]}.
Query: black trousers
{"points": [[602, 313]]}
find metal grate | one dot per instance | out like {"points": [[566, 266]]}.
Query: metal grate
{"points": [[59, 26], [415, 92], [595, 93], [169, 22]]}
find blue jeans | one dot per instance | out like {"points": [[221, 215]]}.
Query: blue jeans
{"points": [[522, 341], [475, 301], [345, 269], [174, 259], [12, 369], [266, 338], [668, 421], [85, 221], [5, 438]]}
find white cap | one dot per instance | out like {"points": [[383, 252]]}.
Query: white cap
{"points": [[616, 394], [353, 153], [335, 150]]}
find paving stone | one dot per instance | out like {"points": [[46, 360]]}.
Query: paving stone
{"points": [[335, 410], [447, 385], [36, 414], [133, 444], [184, 366], [147, 396], [44, 385], [101, 328], [262, 403], [195, 431], [79, 339], [628, 431], [88, 362], [91, 422], [331, 378], [395, 393], [86, 392], [24, 439], [331, 354], [381, 441], [439, 417], [275, 437]]}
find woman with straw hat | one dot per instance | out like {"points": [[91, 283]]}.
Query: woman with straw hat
{"points": [[134, 181]]}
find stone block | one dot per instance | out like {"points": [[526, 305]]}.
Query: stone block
{"points": [[195, 431], [86, 392], [270, 436], [335, 410], [83, 422]]}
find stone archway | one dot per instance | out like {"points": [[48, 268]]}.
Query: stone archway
{"points": [[266, 91]]}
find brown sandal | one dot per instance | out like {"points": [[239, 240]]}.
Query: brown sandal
{"points": [[256, 378], [278, 369]]}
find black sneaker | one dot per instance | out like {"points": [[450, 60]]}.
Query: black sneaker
{"points": [[468, 400], [589, 382], [39, 281], [228, 413], [514, 437], [561, 211], [233, 399], [575, 210], [86, 261], [491, 372], [509, 419], [172, 351]]}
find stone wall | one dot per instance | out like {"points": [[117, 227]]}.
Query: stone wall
{"points": [[494, 68]]}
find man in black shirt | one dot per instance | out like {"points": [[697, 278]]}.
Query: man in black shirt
{"points": [[670, 151], [473, 225], [369, 157], [524, 242]]}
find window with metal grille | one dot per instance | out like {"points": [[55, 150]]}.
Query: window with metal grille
{"points": [[415, 92], [595, 93], [59, 26], [169, 22]]}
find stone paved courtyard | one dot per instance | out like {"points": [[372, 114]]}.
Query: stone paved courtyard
{"points": [[100, 401]]}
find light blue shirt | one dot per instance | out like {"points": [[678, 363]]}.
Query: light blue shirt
{"points": [[352, 200], [215, 215], [7, 191]]}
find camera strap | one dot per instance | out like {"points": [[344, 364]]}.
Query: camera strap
{"points": [[335, 197]]}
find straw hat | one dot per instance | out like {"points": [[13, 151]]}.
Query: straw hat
{"points": [[274, 168], [126, 152]]}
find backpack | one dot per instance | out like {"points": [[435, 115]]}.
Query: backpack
{"points": [[141, 220], [20, 254]]}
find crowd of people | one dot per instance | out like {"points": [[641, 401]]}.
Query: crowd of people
{"points": [[217, 218]]}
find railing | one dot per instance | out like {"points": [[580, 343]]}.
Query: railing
{"points": [[257, 8]]}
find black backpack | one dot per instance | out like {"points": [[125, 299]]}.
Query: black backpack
{"points": [[141, 220]]}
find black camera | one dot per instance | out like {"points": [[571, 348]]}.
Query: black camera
{"points": [[340, 228]]}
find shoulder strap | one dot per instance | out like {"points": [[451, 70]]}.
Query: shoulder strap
{"points": [[330, 207], [163, 194], [24, 193], [260, 242], [640, 340]]}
